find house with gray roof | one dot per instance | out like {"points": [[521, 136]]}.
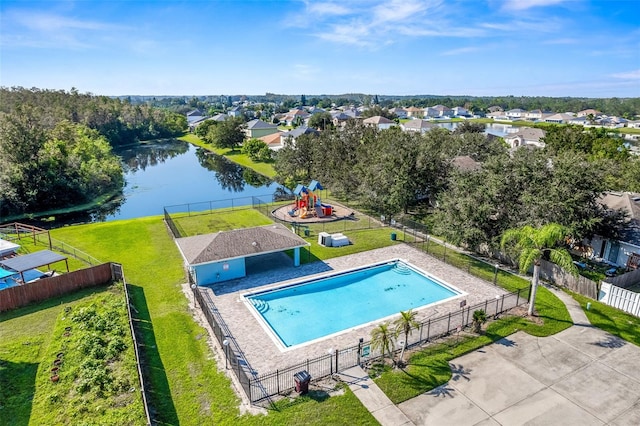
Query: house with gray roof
{"points": [[419, 125], [617, 252], [526, 136], [296, 133], [258, 128], [379, 121], [222, 256]]}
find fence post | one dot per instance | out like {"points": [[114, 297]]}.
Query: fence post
{"points": [[429, 330], [337, 351], [449, 323], [278, 380], [444, 256]]}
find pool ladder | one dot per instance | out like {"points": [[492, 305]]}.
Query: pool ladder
{"points": [[401, 269], [260, 305]]}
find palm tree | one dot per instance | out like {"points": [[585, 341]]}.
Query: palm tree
{"points": [[382, 338], [479, 318], [532, 244], [405, 324]]}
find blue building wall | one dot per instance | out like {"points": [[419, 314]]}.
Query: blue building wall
{"points": [[212, 273]]}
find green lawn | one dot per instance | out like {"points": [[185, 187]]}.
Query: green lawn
{"points": [[187, 387], [32, 337], [610, 319]]}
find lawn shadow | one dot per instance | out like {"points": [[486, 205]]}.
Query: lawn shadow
{"points": [[17, 388], [158, 392]]}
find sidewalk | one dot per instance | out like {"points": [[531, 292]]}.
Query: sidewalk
{"points": [[575, 310], [373, 398]]}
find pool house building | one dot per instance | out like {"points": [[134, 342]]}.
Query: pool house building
{"points": [[222, 256]]}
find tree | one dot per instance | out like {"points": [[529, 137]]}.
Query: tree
{"points": [[227, 134], [382, 338], [404, 324], [321, 120], [303, 100], [532, 244], [479, 318], [254, 148]]}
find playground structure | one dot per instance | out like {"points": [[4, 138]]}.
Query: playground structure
{"points": [[308, 204]]}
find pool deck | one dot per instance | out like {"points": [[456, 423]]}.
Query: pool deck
{"points": [[264, 355]]}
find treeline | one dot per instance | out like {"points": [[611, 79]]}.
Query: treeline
{"points": [[623, 107], [56, 146], [393, 172]]}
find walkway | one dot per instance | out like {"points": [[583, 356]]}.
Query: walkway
{"points": [[582, 375], [373, 398]]}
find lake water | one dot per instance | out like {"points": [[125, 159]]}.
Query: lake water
{"points": [[172, 173]]}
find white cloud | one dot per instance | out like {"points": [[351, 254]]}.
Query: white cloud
{"points": [[528, 4], [328, 9], [629, 75], [460, 51]]}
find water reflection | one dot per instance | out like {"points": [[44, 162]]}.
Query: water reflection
{"points": [[230, 176], [146, 155]]}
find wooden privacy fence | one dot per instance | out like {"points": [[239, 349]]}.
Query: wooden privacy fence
{"points": [[46, 288], [558, 276], [625, 280]]}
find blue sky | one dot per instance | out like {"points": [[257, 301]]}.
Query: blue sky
{"points": [[400, 47]]}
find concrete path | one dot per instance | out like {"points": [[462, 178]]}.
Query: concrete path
{"points": [[580, 376], [373, 398]]}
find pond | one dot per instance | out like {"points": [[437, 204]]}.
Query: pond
{"points": [[170, 173]]}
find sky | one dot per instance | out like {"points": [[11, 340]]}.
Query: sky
{"points": [[577, 48]]}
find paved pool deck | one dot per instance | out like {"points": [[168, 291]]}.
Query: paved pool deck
{"points": [[261, 351]]}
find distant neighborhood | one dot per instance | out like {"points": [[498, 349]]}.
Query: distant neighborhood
{"points": [[411, 119]]}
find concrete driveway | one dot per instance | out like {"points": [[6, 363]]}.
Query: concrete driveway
{"points": [[581, 376]]}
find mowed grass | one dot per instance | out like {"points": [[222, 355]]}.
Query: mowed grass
{"points": [[186, 384], [610, 319], [30, 335]]}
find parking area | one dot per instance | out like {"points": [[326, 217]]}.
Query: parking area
{"points": [[581, 376]]}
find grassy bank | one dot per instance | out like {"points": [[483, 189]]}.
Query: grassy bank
{"points": [[610, 319], [265, 169], [187, 385]]}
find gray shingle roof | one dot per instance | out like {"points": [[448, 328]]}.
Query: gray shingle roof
{"points": [[238, 243], [259, 124]]}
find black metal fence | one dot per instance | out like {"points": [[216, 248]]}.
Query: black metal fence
{"points": [[260, 388]]}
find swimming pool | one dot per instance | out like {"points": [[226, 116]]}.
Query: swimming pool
{"points": [[306, 311], [9, 278]]}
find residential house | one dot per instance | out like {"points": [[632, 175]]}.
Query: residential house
{"points": [[461, 112], [296, 133], [495, 108], [431, 113], [613, 122], [443, 111], [516, 114], [586, 112], [633, 124], [465, 163], [296, 115], [401, 113], [273, 141], [379, 121], [258, 128], [498, 115], [526, 136], [559, 118], [537, 114], [617, 252], [421, 126], [220, 117], [195, 115], [414, 112], [236, 111]]}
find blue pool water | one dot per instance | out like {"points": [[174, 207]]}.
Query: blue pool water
{"points": [[313, 309], [8, 278]]}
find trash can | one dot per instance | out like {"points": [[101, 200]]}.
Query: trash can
{"points": [[393, 236], [306, 232], [302, 379]]}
